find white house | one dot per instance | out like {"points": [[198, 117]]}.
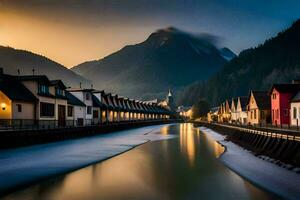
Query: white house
{"points": [[233, 110], [295, 110], [76, 111], [241, 110], [85, 95]]}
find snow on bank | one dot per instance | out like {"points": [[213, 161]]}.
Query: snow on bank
{"points": [[267, 175], [29, 164]]}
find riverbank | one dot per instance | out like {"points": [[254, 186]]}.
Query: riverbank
{"points": [[27, 165], [280, 181], [14, 138]]}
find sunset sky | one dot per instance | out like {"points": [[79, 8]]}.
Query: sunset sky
{"points": [[74, 31]]}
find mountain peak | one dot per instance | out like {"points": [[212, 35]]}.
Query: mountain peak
{"points": [[170, 29]]}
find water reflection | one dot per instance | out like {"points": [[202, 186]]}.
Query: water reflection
{"points": [[180, 168], [187, 142]]}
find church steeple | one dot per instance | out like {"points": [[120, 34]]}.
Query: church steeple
{"points": [[170, 94]]}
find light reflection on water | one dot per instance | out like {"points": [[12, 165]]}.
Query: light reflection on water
{"points": [[180, 168]]}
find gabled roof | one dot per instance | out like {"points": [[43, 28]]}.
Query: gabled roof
{"points": [[234, 101], [80, 90], [72, 100], [243, 101], [97, 102], [58, 83], [15, 90], [262, 99], [296, 97], [286, 88]]}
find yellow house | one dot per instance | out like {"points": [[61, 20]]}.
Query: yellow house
{"points": [[52, 102], [258, 108], [17, 103]]}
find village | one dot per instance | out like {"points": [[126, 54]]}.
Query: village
{"points": [[34, 101], [278, 108]]}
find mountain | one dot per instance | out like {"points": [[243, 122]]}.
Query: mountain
{"points": [[275, 61], [12, 59], [169, 58]]}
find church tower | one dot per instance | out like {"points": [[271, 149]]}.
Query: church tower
{"points": [[170, 101]]}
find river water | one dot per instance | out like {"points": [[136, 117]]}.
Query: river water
{"points": [[185, 167]]}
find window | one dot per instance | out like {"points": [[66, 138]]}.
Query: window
{"points": [[43, 89], [273, 114], [286, 112], [274, 95], [46, 109], [89, 110], [19, 107], [277, 114], [254, 114], [87, 96], [251, 115], [262, 114], [59, 92], [70, 111], [294, 112]]}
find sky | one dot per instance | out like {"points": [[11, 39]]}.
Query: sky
{"points": [[74, 31]]}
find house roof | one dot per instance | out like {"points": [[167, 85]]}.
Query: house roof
{"points": [[39, 78], [14, 89], [262, 99], [286, 88], [296, 97], [74, 100], [58, 83], [97, 102], [243, 101]]}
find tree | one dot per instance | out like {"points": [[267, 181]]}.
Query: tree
{"points": [[200, 109]]}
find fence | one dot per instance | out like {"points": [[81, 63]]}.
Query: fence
{"points": [[270, 131], [25, 124]]}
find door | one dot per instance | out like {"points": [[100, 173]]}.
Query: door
{"points": [[61, 115]]}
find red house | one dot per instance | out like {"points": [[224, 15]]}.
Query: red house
{"points": [[281, 95]]}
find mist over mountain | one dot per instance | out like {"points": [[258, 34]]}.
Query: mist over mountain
{"points": [[12, 60], [275, 61], [168, 58]]}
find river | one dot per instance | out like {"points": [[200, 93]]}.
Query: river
{"points": [[185, 167]]}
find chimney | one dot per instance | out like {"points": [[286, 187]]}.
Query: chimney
{"points": [[1, 71], [296, 81]]}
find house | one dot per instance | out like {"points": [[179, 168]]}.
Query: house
{"points": [[52, 102], [258, 108], [212, 115], [295, 110], [18, 106], [85, 96], [241, 110], [281, 96], [98, 107], [224, 114], [76, 111], [233, 110]]}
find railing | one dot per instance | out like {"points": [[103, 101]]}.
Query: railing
{"points": [[270, 131], [25, 124]]}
